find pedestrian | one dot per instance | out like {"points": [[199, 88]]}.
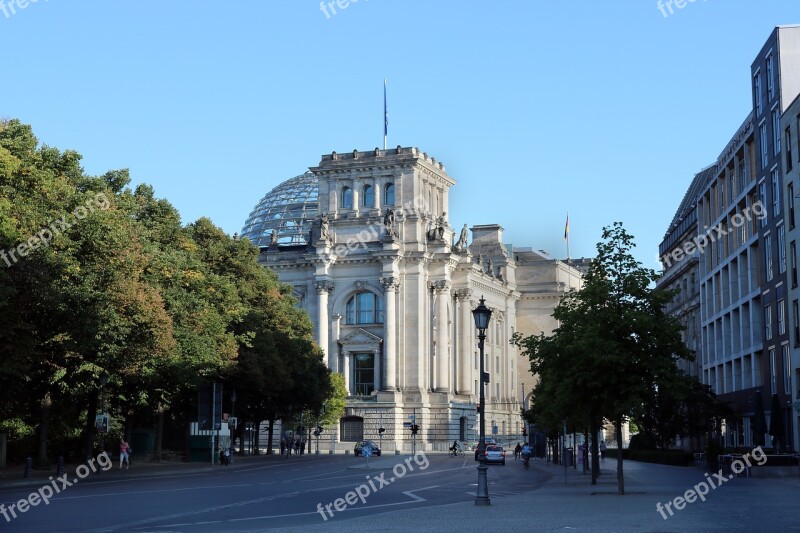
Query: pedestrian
{"points": [[283, 446], [517, 451], [302, 447], [297, 447], [603, 449], [124, 453]]}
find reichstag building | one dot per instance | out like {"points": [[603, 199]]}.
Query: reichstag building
{"points": [[390, 284]]}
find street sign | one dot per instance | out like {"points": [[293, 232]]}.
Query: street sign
{"points": [[406, 424], [366, 451], [412, 418]]}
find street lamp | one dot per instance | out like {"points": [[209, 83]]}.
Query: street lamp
{"points": [[482, 314]]}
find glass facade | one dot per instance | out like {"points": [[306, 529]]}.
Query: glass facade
{"points": [[289, 209]]}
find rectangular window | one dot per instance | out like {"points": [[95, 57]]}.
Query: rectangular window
{"points": [[793, 260], [787, 369], [364, 373], [781, 317], [757, 92], [768, 256], [772, 372], [776, 194], [776, 131], [764, 152], [790, 197], [762, 198], [796, 322], [771, 76], [788, 149], [768, 322], [781, 249]]}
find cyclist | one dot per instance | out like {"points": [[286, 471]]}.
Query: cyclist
{"points": [[526, 454], [455, 447]]}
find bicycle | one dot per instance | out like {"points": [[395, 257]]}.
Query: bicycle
{"points": [[526, 460], [458, 452]]}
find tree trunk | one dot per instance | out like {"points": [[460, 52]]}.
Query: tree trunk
{"points": [[44, 429], [620, 476], [91, 414], [159, 431], [593, 425], [256, 437], [555, 450], [585, 451], [269, 436]]}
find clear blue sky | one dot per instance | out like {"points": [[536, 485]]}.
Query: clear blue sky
{"points": [[536, 108]]}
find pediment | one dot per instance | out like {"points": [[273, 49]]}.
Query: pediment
{"points": [[360, 337]]}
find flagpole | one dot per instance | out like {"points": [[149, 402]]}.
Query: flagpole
{"points": [[566, 236], [385, 116]]}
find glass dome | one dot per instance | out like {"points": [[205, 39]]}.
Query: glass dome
{"points": [[289, 209]]}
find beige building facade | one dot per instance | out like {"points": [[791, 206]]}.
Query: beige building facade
{"points": [[365, 240]]}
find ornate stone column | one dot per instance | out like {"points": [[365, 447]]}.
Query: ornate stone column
{"points": [[346, 372], [390, 286], [465, 340], [333, 357], [442, 289], [323, 288], [377, 369]]}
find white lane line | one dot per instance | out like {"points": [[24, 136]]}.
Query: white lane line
{"points": [[414, 499], [410, 493]]}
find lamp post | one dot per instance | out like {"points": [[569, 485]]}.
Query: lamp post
{"points": [[482, 314]]}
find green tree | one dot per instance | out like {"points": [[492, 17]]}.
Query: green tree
{"points": [[614, 346]]}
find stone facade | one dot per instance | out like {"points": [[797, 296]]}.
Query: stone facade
{"points": [[390, 286]]}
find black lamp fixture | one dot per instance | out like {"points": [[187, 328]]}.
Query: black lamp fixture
{"points": [[482, 315]]}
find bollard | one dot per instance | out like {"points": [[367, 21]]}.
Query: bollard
{"points": [[28, 467], [60, 467]]}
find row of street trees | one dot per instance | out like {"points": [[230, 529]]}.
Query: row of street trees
{"points": [[614, 357], [98, 280]]}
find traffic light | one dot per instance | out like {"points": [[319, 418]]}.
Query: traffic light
{"points": [[414, 429], [381, 430], [478, 408], [318, 431], [524, 432]]}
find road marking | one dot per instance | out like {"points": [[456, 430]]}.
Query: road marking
{"points": [[410, 493]]}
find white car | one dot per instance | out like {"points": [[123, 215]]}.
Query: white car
{"points": [[495, 454]]}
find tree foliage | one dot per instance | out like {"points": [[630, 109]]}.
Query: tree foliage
{"points": [[614, 348], [100, 280]]}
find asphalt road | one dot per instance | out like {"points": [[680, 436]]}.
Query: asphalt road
{"points": [[266, 493]]}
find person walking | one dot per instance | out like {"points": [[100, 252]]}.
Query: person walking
{"points": [[603, 449], [124, 453]]}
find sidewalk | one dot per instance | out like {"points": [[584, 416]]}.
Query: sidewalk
{"points": [[13, 477], [739, 505]]}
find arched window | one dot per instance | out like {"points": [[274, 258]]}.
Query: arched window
{"points": [[368, 198], [364, 308], [388, 194], [351, 428], [347, 198]]}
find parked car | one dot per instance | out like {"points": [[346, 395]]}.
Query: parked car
{"points": [[495, 454], [372, 444]]}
